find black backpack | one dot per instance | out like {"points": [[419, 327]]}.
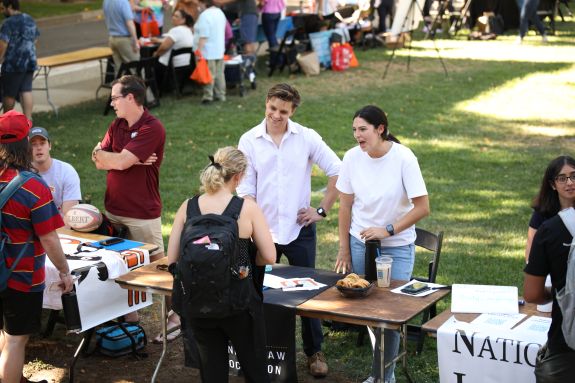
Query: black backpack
{"points": [[211, 278]]}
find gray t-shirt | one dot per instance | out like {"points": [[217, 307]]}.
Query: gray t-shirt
{"points": [[63, 181]]}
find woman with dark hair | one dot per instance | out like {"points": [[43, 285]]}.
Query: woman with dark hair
{"points": [[552, 197], [382, 197], [548, 255], [179, 36]]}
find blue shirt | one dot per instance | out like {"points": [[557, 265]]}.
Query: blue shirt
{"points": [[211, 25], [20, 33], [116, 13]]}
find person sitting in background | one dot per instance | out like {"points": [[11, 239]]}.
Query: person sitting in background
{"points": [[209, 40], [60, 176], [549, 254], [180, 36], [245, 330]]}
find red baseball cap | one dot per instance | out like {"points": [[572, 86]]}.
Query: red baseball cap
{"points": [[14, 126]]}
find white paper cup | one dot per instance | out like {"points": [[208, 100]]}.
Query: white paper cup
{"points": [[383, 268]]}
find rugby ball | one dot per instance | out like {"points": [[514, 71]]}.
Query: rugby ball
{"points": [[83, 217]]}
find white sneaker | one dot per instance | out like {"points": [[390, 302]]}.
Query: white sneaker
{"points": [[370, 379], [518, 40], [544, 39]]}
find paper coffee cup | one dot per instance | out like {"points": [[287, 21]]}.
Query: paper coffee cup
{"points": [[383, 268]]}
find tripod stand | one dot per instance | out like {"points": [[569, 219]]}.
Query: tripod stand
{"points": [[410, 18]]}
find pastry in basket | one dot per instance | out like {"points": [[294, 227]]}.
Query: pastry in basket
{"points": [[353, 281]]}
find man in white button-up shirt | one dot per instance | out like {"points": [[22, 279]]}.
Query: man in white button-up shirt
{"points": [[281, 154]]}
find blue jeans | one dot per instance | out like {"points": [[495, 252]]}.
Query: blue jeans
{"points": [[301, 252], [527, 13], [270, 23], [401, 268]]}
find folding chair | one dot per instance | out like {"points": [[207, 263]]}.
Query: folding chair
{"points": [[180, 76], [285, 55], [431, 242]]}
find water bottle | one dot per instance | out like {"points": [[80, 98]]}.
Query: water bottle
{"points": [[71, 311], [372, 250]]}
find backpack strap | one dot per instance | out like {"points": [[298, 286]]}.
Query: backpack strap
{"points": [[7, 193], [234, 207], [568, 217], [15, 184], [232, 210], [193, 209]]}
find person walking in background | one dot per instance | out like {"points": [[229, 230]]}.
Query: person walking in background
{"points": [[29, 220], [246, 329], [280, 155], [131, 152], [271, 14], [385, 207], [18, 37], [60, 176], [384, 9], [548, 255], [123, 41], [210, 42], [528, 13]]}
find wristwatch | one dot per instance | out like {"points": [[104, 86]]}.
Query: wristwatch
{"points": [[321, 211], [390, 229]]}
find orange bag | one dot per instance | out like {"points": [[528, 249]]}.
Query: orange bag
{"points": [[148, 25], [353, 63], [201, 74]]}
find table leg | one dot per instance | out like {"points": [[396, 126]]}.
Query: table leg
{"points": [[163, 317], [54, 108], [381, 354]]}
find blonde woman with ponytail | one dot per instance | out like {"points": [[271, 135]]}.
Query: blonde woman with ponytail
{"points": [[245, 330]]}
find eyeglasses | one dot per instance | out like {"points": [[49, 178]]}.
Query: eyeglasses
{"points": [[563, 179], [116, 98]]}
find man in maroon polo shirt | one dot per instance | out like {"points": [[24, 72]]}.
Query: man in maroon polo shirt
{"points": [[132, 151]]}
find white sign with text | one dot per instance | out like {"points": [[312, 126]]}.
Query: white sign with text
{"points": [[470, 353]]}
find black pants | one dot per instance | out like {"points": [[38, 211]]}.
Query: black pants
{"points": [[554, 367], [246, 331]]}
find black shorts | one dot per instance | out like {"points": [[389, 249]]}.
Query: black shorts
{"points": [[20, 313], [15, 83]]}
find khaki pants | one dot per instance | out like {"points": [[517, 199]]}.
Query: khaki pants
{"points": [[122, 51], [217, 89], [143, 230]]}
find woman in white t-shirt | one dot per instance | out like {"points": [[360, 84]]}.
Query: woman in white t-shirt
{"points": [[180, 36], [382, 196]]}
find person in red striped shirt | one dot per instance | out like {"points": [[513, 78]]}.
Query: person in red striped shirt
{"points": [[29, 221]]}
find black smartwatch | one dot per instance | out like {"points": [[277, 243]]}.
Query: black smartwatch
{"points": [[390, 229], [321, 211]]}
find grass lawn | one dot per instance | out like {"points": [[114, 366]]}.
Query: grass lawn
{"points": [[483, 136], [39, 9]]}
